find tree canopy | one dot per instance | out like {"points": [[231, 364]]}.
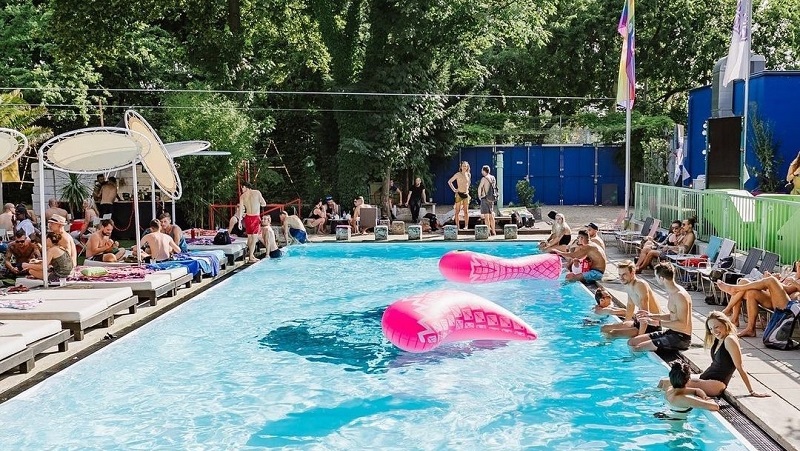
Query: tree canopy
{"points": [[344, 92]]}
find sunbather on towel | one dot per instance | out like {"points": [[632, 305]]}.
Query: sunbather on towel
{"points": [[101, 247]]}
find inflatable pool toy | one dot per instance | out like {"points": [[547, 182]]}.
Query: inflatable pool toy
{"points": [[422, 322], [472, 267]]}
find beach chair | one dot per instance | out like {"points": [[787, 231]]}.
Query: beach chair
{"points": [[367, 219], [635, 242], [632, 235], [609, 229], [22, 340], [754, 255], [702, 272]]}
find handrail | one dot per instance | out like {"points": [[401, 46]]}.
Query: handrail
{"points": [[767, 221]]}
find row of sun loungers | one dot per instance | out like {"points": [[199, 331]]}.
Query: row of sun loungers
{"points": [[34, 321]]}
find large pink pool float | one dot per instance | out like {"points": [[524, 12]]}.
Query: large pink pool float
{"points": [[472, 267], [422, 322]]}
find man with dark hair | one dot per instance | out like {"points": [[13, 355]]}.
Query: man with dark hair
{"points": [[173, 230], [158, 245], [486, 193], [592, 253], [21, 250], [250, 203], [678, 336], [100, 247], [24, 221], [109, 193]]}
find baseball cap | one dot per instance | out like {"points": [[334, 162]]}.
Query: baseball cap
{"points": [[552, 214]]}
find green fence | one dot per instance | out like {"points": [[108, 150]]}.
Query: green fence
{"points": [[768, 221]]}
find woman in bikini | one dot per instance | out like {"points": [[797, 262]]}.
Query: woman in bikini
{"points": [[651, 249], [58, 260]]}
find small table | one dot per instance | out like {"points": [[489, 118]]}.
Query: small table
{"points": [[337, 222]]}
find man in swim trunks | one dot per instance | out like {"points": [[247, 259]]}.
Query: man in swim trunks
{"points": [[678, 336], [250, 203], [591, 252], [268, 237], [640, 297], [100, 247], [158, 245], [293, 226]]}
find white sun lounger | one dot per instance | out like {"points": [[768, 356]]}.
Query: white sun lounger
{"points": [[179, 276], [38, 336], [152, 287], [77, 310], [14, 353], [233, 251]]}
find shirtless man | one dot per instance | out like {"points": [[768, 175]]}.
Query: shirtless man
{"points": [[101, 247], [158, 245], [108, 194], [293, 226], [640, 297], [56, 224], [173, 230], [7, 219], [590, 251], [486, 190], [592, 229], [54, 209], [463, 179], [678, 336], [268, 237], [250, 203], [358, 204], [768, 292]]}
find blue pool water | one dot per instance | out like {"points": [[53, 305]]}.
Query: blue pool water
{"points": [[290, 354]]}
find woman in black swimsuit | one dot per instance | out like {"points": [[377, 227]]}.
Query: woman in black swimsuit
{"points": [[726, 357]]}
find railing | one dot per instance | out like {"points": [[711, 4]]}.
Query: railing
{"points": [[230, 209], [768, 221]]}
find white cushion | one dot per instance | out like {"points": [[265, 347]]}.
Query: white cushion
{"points": [[31, 331], [11, 345], [63, 310]]}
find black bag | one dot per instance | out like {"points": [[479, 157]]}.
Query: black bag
{"points": [[726, 263], [222, 237], [778, 333]]}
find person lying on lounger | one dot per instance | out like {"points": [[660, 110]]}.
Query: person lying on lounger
{"points": [[101, 247]]}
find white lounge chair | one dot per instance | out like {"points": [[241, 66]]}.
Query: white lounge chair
{"points": [[38, 336]]}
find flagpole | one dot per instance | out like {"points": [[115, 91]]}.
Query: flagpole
{"points": [[627, 160], [743, 165]]}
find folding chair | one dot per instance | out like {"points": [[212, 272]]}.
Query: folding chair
{"points": [[753, 257], [632, 235], [635, 243]]}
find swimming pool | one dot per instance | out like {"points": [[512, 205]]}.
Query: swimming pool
{"points": [[290, 354]]}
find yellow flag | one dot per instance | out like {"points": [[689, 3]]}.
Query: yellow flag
{"points": [[10, 173]]}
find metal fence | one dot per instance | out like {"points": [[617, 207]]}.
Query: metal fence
{"points": [[768, 221]]}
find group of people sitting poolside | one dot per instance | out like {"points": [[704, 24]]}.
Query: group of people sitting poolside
{"points": [[647, 328], [585, 256]]}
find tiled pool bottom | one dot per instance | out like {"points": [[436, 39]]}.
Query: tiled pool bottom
{"points": [[290, 354]]}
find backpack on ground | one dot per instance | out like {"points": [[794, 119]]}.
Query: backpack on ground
{"points": [[779, 330], [222, 237]]}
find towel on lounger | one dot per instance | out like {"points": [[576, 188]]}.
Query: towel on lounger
{"points": [[20, 304]]}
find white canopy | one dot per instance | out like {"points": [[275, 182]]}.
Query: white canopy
{"points": [[183, 148], [158, 162], [95, 150], [12, 145]]}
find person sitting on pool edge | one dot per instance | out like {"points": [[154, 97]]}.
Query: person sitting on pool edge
{"points": [[726, 357], [590, 251], [683, 399], [678, 335], [268, 237], [293, 226]]}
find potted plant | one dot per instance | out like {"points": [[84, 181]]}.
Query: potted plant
{"points": [[525, 193], [74, 193]]}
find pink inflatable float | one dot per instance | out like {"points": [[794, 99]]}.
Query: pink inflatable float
{"points": [[422, 322], [472, 267]]}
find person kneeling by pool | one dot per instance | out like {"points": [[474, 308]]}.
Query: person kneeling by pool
{"points": [[591, 252], [293, 226]]}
